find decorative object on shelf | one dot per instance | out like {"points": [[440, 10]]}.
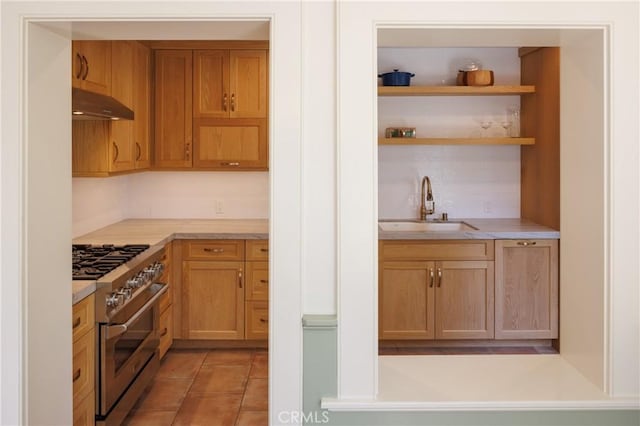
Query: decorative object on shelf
{"points": [[506, 125], [400, 132], [485, 127], [472, 74], [514, 117], [396, 78]]}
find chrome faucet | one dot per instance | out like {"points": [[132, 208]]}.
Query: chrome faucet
{"points": [[424, 211]]}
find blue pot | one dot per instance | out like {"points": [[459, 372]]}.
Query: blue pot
{"points": [[396, 78]]}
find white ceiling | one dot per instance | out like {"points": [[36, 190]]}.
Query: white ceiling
{"points": [[475, 37], [171, 30]]}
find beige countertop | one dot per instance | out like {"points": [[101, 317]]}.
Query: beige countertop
{"points": [[486, 229], [161, 231]]}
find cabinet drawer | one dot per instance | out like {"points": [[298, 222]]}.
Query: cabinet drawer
{"points": [[257, 281], [84, 411], [257, 249], [166, 299], [257, 321], [83, 365], [83, 317], [213, 249], [166, 331], [436, 250]]}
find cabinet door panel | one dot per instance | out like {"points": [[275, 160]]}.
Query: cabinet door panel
{"points": [[248, 84], [231, 144], [257, 320], [173, 108], [257, 281], [121, 151], [527, 289], [91, 69], [211, 96], [464, 300], [406, 300], [141, 105], [213, 300]]}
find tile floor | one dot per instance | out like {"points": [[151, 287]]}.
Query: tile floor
{"points": [[225, 387]]}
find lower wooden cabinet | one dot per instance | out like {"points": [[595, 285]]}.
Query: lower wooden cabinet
{"points": [[213, 300], [84, 359], [464, 299], [526, 289], [441, 300], [257, 320], [166, 302], [406, 300], [84, 412]]}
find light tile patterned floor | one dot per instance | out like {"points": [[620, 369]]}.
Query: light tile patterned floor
{"points": [[225, 387]]}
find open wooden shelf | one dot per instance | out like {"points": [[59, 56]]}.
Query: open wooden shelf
{"points": [[454, 90], [456, 141]]}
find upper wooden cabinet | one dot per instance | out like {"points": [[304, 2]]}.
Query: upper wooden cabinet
{"points": [[211, 107], [91, 66], [105, 147], [526, 289], [230, 83], [173, 118]]}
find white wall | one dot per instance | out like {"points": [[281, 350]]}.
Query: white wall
{"points": [[98, 202], [468, 181]]}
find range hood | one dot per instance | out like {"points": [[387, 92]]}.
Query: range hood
{"points": [[93, 106]]}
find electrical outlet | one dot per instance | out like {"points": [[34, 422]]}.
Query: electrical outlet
{"points": [[219, 207]]}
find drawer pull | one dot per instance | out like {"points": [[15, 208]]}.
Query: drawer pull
{"points": [[76, 376], [439, 277], [230, 163], [262, 320], [264, 281], [526, 243], [264, 250], [214, 250], [164, 332], [77, 322]]}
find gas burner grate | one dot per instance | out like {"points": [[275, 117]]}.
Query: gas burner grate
{"points": [[90, 262]]}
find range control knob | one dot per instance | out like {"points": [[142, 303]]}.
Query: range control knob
{"points": [[125, 293], [114, 300], [132, 282]]}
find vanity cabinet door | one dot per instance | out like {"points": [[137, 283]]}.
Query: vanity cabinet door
{"points": [[464, 300], [527, 289], [406, 300]]}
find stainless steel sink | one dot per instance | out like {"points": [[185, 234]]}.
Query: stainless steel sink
{"points": [[409, 226]]}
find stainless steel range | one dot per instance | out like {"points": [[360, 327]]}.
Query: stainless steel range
{"points": [[127, 317]]}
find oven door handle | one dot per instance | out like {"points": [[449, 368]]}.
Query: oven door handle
{"points": [[112, 331]]}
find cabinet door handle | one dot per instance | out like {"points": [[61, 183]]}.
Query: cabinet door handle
{"points": [[439, 277], [214, 250], [77, 322], [224, 102], [233, 164], [81, 68], [139, 151], [116, 152], [233, 102], [86, 67], [187, 150], [526, 243], [431, 277], [77, 374], [262, 320], [240, 279], [164, 332]]}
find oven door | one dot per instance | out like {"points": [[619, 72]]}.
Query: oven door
{"points": [[127, 344]]}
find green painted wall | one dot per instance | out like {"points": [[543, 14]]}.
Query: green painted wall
{"points": [[320, 379]]}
